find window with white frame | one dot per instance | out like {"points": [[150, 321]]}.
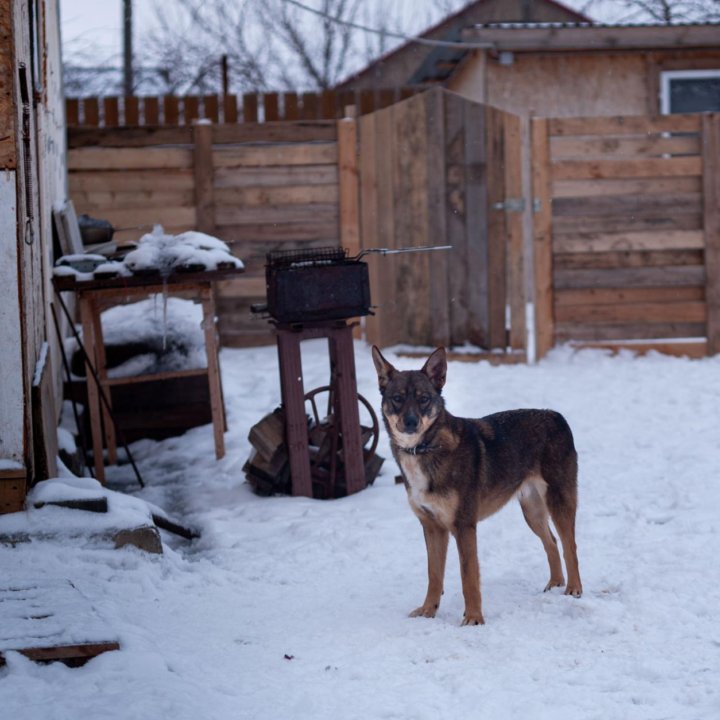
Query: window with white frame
{"points": [[689, 91]]}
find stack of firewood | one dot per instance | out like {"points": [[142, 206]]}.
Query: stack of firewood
{"points": [[268, 467]]}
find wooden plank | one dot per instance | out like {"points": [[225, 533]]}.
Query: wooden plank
{"points": [[476, 205], [542, 238], [140, 181], [91, 111], [269, 132], [151, 110], [256, 177], [651, 167], [497, 230], [659, 223], [323, 233], [213, 372], [389, 306], [310, 106], [671, 312], [191, 109], [13, 490], [280, 195], [72, 654], [171, 110], [628, 205], [514, 220], [624, 125], [230, 109], [630, 241], [272, 155], [366, 101], [111, 112], [250, 107], [456, 209], [277, 214], [271, 107], [129, 158], [45, 421], [610, 296], [630, 331], [349, 209], [168, 217], [97, 200], [132, 110], [654, 258], [203, 173], [410, 178], [328, 109], [72, 112], [435, 191], [630, 277], [242, 287], [211, 111], [604, 146], [711, 221], [639, 186], [123, 137], [291, 106], [369, 218]]}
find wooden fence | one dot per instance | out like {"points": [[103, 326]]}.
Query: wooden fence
{"points": [[627, 233], [174, 110], [438, 169], [259, 187]]}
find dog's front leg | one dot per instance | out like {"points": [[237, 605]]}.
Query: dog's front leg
{"points": [[436, 542], [466, 538]]}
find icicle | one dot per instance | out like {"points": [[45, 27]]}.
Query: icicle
{"points": [[165, 310]]}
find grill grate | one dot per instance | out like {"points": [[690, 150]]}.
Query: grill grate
{"points": [[306, 258]]}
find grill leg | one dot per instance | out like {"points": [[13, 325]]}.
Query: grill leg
{"points": [[342, 359], [293, 398]]}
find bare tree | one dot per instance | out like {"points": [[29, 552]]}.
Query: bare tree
{"points": [[660, 11]]}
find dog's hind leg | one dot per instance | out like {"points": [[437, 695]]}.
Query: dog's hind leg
{"points": [[436, 542], [561, 499], [535, 510]]}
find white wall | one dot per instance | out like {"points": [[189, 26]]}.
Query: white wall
{"points": [[11, 366]]}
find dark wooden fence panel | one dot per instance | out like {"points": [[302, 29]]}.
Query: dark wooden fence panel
{"points": [[253, 107]]}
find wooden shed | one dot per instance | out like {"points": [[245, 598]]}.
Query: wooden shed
{"points": [[32, 179]]}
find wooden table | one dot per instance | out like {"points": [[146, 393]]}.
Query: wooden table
{"points": [[95, 296]]}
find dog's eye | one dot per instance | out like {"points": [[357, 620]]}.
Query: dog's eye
{"points": [[424, 399], [397, 398]]}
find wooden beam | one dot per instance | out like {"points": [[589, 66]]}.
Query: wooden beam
{"points": [[203, 171], [711, 187], [347, 159], [542, 238]]}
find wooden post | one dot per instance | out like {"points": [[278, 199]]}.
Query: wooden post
{"points": [[293, 399], [514, 220], [211, 350], [711, 205], [203, 171], [542, 238]]}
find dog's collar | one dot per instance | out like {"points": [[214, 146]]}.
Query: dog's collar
{"points": [[421, 449]]}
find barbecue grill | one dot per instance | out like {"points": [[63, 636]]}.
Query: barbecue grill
{"points": [[316, 285]]}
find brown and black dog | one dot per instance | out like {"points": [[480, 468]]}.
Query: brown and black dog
{"points": [[459, 471]]}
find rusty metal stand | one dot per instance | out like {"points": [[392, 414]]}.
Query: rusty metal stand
{"points": [[342, 368]]}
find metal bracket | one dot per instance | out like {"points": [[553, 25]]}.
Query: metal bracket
{"points": [[511, 205]]}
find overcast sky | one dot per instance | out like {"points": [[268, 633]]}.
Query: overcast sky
{"points": [[96, 26]]}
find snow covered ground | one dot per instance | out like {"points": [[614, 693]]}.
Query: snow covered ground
{"points": [[295, 608]]}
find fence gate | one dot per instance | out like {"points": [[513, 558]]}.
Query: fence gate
{"points": [[437, 169], [627, 233]]}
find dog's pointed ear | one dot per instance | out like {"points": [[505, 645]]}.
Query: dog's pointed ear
{"points": [[436, 368], [385, 370]]}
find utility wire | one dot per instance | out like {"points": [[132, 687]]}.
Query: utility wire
{"points": [[396, 35]]}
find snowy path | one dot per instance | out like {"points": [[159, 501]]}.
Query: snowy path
{"points": [[293, 608]]}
